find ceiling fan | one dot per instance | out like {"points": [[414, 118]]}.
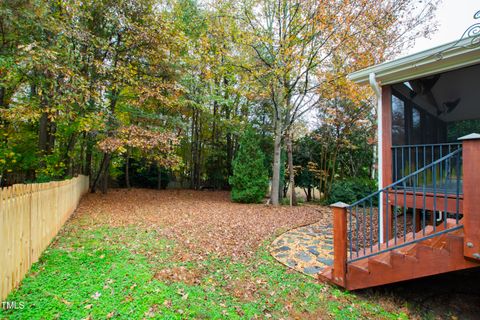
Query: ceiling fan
{"points": [[424, 86]]}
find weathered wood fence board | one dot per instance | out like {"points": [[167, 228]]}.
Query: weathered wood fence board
{"points": [[30, 217]]}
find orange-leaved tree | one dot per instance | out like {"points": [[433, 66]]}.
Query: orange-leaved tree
{"points": [[293, 44]]}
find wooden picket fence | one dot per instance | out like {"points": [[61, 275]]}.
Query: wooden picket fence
{"points": [[30, 217]]}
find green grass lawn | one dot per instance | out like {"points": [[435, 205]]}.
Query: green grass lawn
{"points": [[131, 273]]}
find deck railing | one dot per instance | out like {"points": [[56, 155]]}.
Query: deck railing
{"points": [[416, 207], [407, 159]]}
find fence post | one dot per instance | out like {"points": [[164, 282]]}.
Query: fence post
{"points": [[471, 194], [339, 243]]}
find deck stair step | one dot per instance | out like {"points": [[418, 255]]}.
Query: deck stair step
{"points": [[439, 254], [392, 243]]}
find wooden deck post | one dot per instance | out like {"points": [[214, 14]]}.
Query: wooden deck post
{"points": [[339, 243], [471, 195], [387, 164]]}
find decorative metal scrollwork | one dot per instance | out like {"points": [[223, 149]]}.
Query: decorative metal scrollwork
{"points": [[476, 15], [473, 32]]}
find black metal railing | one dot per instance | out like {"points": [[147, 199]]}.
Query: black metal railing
{"points": [[420, 205], [407, 159]]}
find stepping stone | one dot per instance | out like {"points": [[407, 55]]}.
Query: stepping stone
{"points": [[327, 247], [312, 247], [314, 251], [282, 248], [312, 270], [281, 255], [305, 257], [316, 242], [291, 263], [326, 261]]}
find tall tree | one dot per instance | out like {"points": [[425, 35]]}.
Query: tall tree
{"points": [[294, 41], [214, 93]]}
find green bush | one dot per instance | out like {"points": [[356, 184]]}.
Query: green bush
{"points": [[351, 190], [250, 176]]}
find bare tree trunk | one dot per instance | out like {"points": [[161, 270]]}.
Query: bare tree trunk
{"points": [[106, 175], [103, 167], [104, 172], [192, 151], [68, 157], [2, 99], [159, 177], [81, 163], [51, 136], [43, 134], [291, 173], [324, 169], [46, 137], [127, 169], [196, 150], [199, 153], [87, 170], [328, 187], [277, 147], [230, 152]]}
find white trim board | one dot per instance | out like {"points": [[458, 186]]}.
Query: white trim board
{"points": [[447, 57]]}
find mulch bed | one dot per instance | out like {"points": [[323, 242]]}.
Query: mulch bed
{"points": [[366, 232]]}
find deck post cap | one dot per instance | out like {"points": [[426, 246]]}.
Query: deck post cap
{"points": [[339, 205], [471, 136]]}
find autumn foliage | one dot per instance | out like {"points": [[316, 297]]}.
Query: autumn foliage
{"points": [[97, 87], [157, 147]]}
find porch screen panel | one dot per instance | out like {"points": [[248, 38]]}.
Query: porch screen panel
{"points": [[398, 121], [417, 133]]}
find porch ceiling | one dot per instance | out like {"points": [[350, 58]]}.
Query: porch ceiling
{"points": [[458, 85], [447, 57], [462, 85]]}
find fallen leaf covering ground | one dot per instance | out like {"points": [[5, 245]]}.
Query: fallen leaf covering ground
{"points": [[200, 222], [143, 254]]}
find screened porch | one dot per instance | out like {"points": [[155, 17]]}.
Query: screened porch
{"points": [[428, 116]]}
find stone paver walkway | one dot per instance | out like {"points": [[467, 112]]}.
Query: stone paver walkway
{"points": [[307, 249]]}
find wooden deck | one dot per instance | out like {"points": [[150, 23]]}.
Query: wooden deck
{"points": [[423, 252], [428, 248], [430, 201]]}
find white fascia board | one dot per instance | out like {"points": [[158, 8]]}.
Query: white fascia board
{"points": [[450, 56]]}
